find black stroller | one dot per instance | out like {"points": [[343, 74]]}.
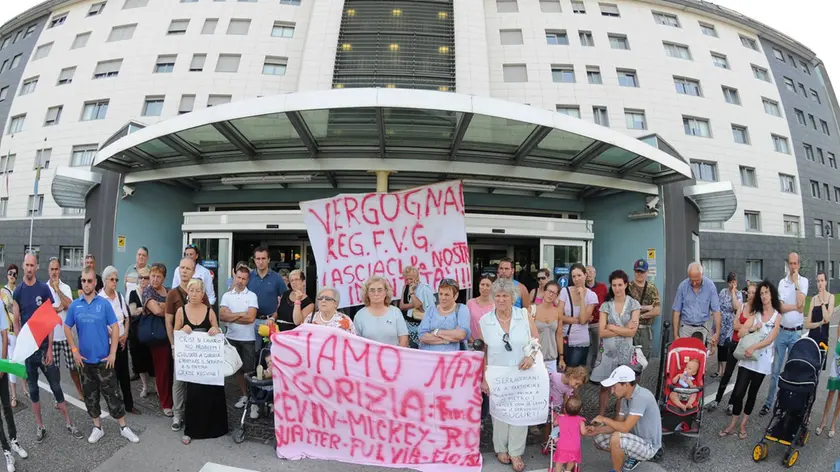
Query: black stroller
{"points": [[797, 392]]}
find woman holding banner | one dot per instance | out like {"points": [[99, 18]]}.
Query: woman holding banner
{"points": [[379, 321], [445, 327], [507, 331]]}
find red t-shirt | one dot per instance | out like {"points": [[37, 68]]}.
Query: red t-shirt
{"points": [[741, 319], [600, 290]]}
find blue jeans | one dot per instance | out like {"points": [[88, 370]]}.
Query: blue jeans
{"points": [[35, 362], [575, 356], [783, 342]]}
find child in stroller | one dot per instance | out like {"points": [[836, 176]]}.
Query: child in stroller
{"points": [[685, 366], [685, 380]]}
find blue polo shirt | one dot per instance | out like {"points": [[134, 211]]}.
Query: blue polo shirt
{"points": [[91, 321], [267, 288], [29, 298], [696, 307]]}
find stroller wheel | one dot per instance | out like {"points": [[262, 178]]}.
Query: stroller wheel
{"points": [[760, 452], [701, 454], [790, 458], [803, 438], [238, 435]]}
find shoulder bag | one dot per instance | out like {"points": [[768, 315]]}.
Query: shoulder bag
{"points": [[151, 329], [746, 342]]}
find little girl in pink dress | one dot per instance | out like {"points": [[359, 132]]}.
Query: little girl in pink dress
{"points": [[571, 427]]}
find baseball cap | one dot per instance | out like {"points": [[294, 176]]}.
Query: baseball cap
{"points": [[621, 374], [641, 265]]}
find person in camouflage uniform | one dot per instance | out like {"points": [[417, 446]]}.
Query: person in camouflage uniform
{"points": [[647, 295]]}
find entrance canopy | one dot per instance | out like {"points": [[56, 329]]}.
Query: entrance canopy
{"points": [[335, 138]]}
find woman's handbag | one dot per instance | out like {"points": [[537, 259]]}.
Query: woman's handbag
{"points": [[747, 341], [152, 330], [638, 357], [232, 360]]}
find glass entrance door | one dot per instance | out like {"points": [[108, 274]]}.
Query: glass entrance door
{"points": [[216, 256], [485, 259], [558, 255]]}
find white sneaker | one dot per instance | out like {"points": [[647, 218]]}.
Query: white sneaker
{"points": [[127, 433], [10, 461], [95, 435], [255, 412], [241, 403], [18, 449]]}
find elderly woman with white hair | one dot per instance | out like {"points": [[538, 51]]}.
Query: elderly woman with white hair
{"points": [[110, 278], [328, 314], [508, 332]]}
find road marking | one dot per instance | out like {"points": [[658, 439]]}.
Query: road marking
{"points": [[709, 398], [213, 467], [71, 400]]}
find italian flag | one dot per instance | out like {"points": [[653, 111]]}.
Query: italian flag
{"points": [[31, 335]]}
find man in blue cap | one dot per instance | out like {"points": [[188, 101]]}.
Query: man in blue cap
{"points": [[647, 295]]}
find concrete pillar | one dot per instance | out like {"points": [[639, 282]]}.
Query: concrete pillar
{"points": [[382, 180]]}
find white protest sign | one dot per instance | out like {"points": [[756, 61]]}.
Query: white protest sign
{"points": [[199, 358], [356, 236], [519, 397]]}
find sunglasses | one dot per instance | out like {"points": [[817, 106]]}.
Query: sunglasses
{"points": [[542, 278], [88, 281], [324, 298], [506, 340], [114, 279], [488, 275], [11, 273], [144, 278]]}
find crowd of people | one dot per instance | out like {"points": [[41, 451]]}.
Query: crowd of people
{"points": [[582, 331]]}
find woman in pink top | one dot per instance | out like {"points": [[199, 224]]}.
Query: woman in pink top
{"points": [[570, 427], [480, 305]]}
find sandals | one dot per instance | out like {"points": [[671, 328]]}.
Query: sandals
{"points": [[517, 463], [831, 434], [742, 435], [820, 430], [725, 433], [186, 440], [14, 402], [503, 458]]}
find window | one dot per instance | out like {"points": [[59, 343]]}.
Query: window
{"points": [[555, 37], [792, 60], [618, 41], [609, 9], [72, 258], [837, 194], [153, 106], [804, 66], [515, 72], [713, 268], [791, 223], [813, 121], [720, 60], [15, 61], [754, 271], [809, 152], [627, 78], [228, 63], [177, 27], [752, 221], [83, 155], [815, 189], [197, 62], [510, 37], [42, 158], [771, 107], [586, 38], [275, 65], [788, 183], [740, 134], [760, 73], [550, 6], [4, 206], [818, 228], [288, 2], [593, 75], [731, 95], [826, 192], [16, 124], [802, 87], [121, 33], [53, 115], [28, 85], [42, 51], [34, 250], [215, 100], [635, 119], [697, 127], [569, 110], [134, 4], [3, 67], [780, 144], [57, 21], [239, 27], [687, 86], [95, 110], [17, 36], [3, 92], [96, 9], [105, 69], [800, 117], [600, 116], [824, 126], [821, 156], [748, 178], [832, 161], [748, 42], [578, 7], [705, 171], [80, 40], [187, 104], [6, 42], [563, 74], [815, 96], [666, 19], [790, 85], [209, 26], [165, 64], [283, 30], [679, 51], [35, 206], [506, 6], [779, 55], [7, 163], [708, 29], [29, 31]]}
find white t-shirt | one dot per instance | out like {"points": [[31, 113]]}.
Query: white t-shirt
{"points": [[240, 302], [120, 306], [578, 334], [58, 332], [787, 294]]}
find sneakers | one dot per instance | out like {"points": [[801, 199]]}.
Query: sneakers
{"points": [[127, 433], [40, 434], [630, 464], [18, 449], [10, 461], [764, 410], [74, 431], [242, 401], [95, 435], [712, 406], [729, 410], [255, 412], [176, 424]]}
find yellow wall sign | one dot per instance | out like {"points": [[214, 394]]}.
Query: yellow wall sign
{"points": [[120, 243], [651, 254]]}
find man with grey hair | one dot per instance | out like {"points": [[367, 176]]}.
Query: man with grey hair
{"points": [[696, 306]]}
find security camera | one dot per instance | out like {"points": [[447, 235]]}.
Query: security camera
{"points": [[127, 191], [652, 203]]}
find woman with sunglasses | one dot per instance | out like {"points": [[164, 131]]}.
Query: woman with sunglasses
{"points": [[141, 357], [543, 277], [507, 331], [6, 296], [445, 327], [328, 314], [379, 321], [480, 305]]}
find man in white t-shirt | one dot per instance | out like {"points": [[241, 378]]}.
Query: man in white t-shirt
{"points": [[200, 272], [239, 310], [63, 296]]}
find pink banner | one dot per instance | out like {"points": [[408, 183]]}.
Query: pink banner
{"points": [[345, 398]]}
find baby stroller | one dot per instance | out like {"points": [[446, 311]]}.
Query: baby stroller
{"points": [[260, 392], [675, 420], [797, 392]]}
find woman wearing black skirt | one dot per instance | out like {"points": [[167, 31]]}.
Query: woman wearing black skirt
{"points": [[205, 414], [141, 356]]}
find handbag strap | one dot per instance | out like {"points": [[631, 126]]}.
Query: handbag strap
{"points": [[568, 328]]}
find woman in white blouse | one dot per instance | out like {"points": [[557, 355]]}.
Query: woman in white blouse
{"points": [[577, 304]]}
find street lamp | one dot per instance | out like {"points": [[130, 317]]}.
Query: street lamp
{"points": [[828, 234]]}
